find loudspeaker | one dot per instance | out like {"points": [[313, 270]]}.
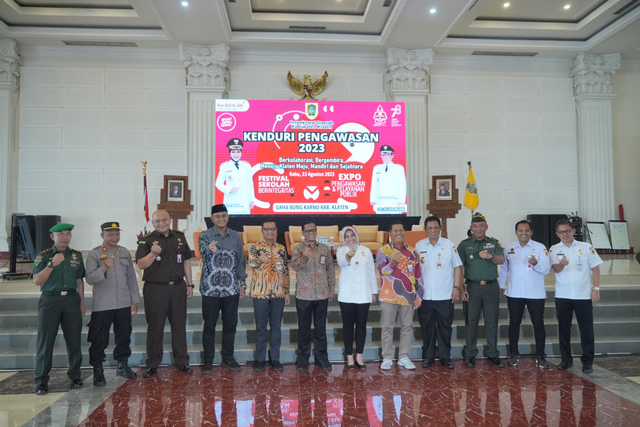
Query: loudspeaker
{"points": [[540, 224], [43, 224], [544, 228]]}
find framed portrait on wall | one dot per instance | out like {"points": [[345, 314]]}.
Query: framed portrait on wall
{"points": [[175, 190], [444, 188]]}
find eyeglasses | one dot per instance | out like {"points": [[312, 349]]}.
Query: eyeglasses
{"points": [[269, 229], [564, 231], [314, 230]]}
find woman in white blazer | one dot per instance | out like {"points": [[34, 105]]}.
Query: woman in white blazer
{"points": [[357, 289]]}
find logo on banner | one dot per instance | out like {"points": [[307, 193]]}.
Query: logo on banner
{"points": [[226, 122], [396, 110], [311, 192], [311, 110], [380, 117]]}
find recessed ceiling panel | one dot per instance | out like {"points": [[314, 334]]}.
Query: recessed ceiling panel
{"points": [[540, 10], [97, 4], [337, 7]]}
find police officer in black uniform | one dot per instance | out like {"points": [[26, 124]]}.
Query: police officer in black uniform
{"points": [[164, 256], [59, 271]]}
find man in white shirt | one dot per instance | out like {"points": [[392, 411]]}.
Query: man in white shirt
{"points": [[442, 274], [526, 262], [388, 182], [573, 263]]}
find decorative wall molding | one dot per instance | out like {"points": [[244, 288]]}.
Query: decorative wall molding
{"points": [[592, 73], [10, 62], [206, 65], [408, 69]]}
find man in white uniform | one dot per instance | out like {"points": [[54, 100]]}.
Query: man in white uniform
{"points": [[388, 181], [526, 262], [573, 263], [442, 274], [235, 180]]}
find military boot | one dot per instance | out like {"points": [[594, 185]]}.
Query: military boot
{"points": [[124, 370], [98, 377]]}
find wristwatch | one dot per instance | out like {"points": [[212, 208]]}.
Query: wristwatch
{"points": [[191, 286], [597, 288], [50, 264]]}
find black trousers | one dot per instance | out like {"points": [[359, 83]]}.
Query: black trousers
{"points": [[98, 336], [211, 308], [584, 315], [308, 310], [354, 315], [162, 302], [536, 313], [436, 318]]}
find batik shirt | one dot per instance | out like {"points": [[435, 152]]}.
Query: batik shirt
{"points": [[401, 284], [271, 278], [223, 271]]}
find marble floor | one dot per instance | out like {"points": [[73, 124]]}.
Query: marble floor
{"points": [[514, 396]]}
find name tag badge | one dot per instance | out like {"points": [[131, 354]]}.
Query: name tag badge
{"points": [[179, 258], [410, 268], [439, 265], [279, 265], [322, 260], [529, 266]]}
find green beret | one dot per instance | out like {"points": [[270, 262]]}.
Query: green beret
{"points": [[61, 227], [478, 217]]}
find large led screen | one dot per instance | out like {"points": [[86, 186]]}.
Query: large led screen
{"points": [[300, 157]]}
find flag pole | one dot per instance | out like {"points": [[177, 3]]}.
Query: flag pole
{"points": [[469, 164], [145, 196]]}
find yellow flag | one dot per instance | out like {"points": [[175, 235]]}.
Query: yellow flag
{"points": [[471, 199]]}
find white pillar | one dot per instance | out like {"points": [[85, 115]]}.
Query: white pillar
{"points": [[407, 81], [207, 77], [9, 81], [593, 92]]}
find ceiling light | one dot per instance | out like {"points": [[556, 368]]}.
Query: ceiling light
{"points": [[567, 6], [185, 3], [432, 10], [506, 4]]}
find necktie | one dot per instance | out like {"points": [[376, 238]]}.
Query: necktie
{"points": [[386, 168], [237, 165]]}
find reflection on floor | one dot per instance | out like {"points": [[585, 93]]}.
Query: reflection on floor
{"points": [[524, 395]]}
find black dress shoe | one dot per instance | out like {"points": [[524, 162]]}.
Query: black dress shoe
{"points": [[470, 362], [565, 365], [324, 364], [447, 363], [351, 367], [207, 368], [512, 360], [258, 366], [303, 365], [276, 365], [587, 369], [149, 372], [495, 361], [231, 364], [185, 369], [360, 366], [42, 390], [427, 363], [76, 384]]}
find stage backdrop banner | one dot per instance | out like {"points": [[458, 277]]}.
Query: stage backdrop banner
{"points": [[298, 157]]}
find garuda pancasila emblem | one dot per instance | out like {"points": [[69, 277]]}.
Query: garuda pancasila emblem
{"points": [[307, 89]]}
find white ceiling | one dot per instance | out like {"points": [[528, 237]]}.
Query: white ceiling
{"points": [[460, 27]]}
